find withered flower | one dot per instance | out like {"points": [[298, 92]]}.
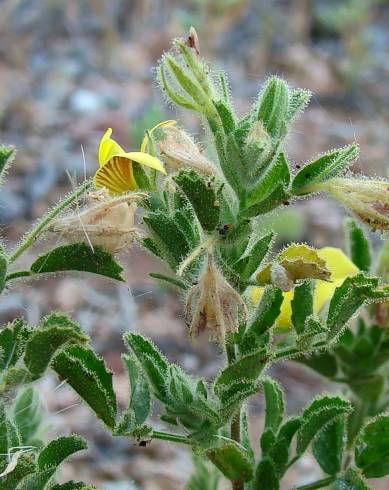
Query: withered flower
{"points": [[180, 151], [214, 305], [367, 199], [107, 222]]}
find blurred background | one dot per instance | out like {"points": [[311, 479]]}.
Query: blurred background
{"points": [[69, 70]]}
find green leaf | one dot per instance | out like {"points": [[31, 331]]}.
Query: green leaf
{"points": [[359, 246], [13, 339], [323, 363], [329, 445], [7, 155], [27, 414], [232, 461], [9, 437], [226, 115], [73, 485], [247, 368], [276, 176], [140, 401], [298, 100], [274, 106], [188, 82], [36, 481], [173, 281], [266, 476], [318, 415], [351, 480], [179, 387], [50, 459], [233, 395], [263, 318], [140, 176], [152, 361], [3, 267], [45, 341], [25, 466], [327, 166], [250, 261], [369, 388], [372, 448], [347, 299], [174, 95], [302, 305], [289, 429], [86, 373], [275, 405], [58, 450], [202, 196], [79, 257], [168, 237]]}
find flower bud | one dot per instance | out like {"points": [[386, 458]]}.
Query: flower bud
{"points": [[367, 199], [214, 305], [180, 151], [107, 222]]}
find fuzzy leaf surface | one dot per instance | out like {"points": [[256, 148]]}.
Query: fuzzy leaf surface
{"points": [[87, 374], [154, 364], [232, 461], [79, 257], [372, 448], [318, 415], [202, 197], [327, 166]]}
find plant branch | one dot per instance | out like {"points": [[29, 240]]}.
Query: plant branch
{"points": [[17, 274], [235, 424], [167, 436], [44, 222], [290, 352], [317, 484]]}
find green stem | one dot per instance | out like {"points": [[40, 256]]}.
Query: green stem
{"points": [[235, 424], [17, 274], [317, 484], [43, 223], [167, 436], [294, 351], [356, 421]]}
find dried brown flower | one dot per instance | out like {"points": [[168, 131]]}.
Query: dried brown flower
{"points": [[107, 222], [214, 305]]}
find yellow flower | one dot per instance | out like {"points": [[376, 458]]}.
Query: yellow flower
{"points": [[115, 171], [339, 265]]}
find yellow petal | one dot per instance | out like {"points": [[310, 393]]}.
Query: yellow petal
{"points": [[338, 263], [323, 293], [145, 141], [146, 159], [116, 175], [108, 148]]}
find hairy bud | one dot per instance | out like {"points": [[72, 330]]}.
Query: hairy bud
{"points": [[181, 152]]}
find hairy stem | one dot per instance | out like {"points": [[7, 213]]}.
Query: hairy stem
{"points": [[356, 420], [235, 424], [317, 484], [167, 436], [44, 222], [17, 274]]}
